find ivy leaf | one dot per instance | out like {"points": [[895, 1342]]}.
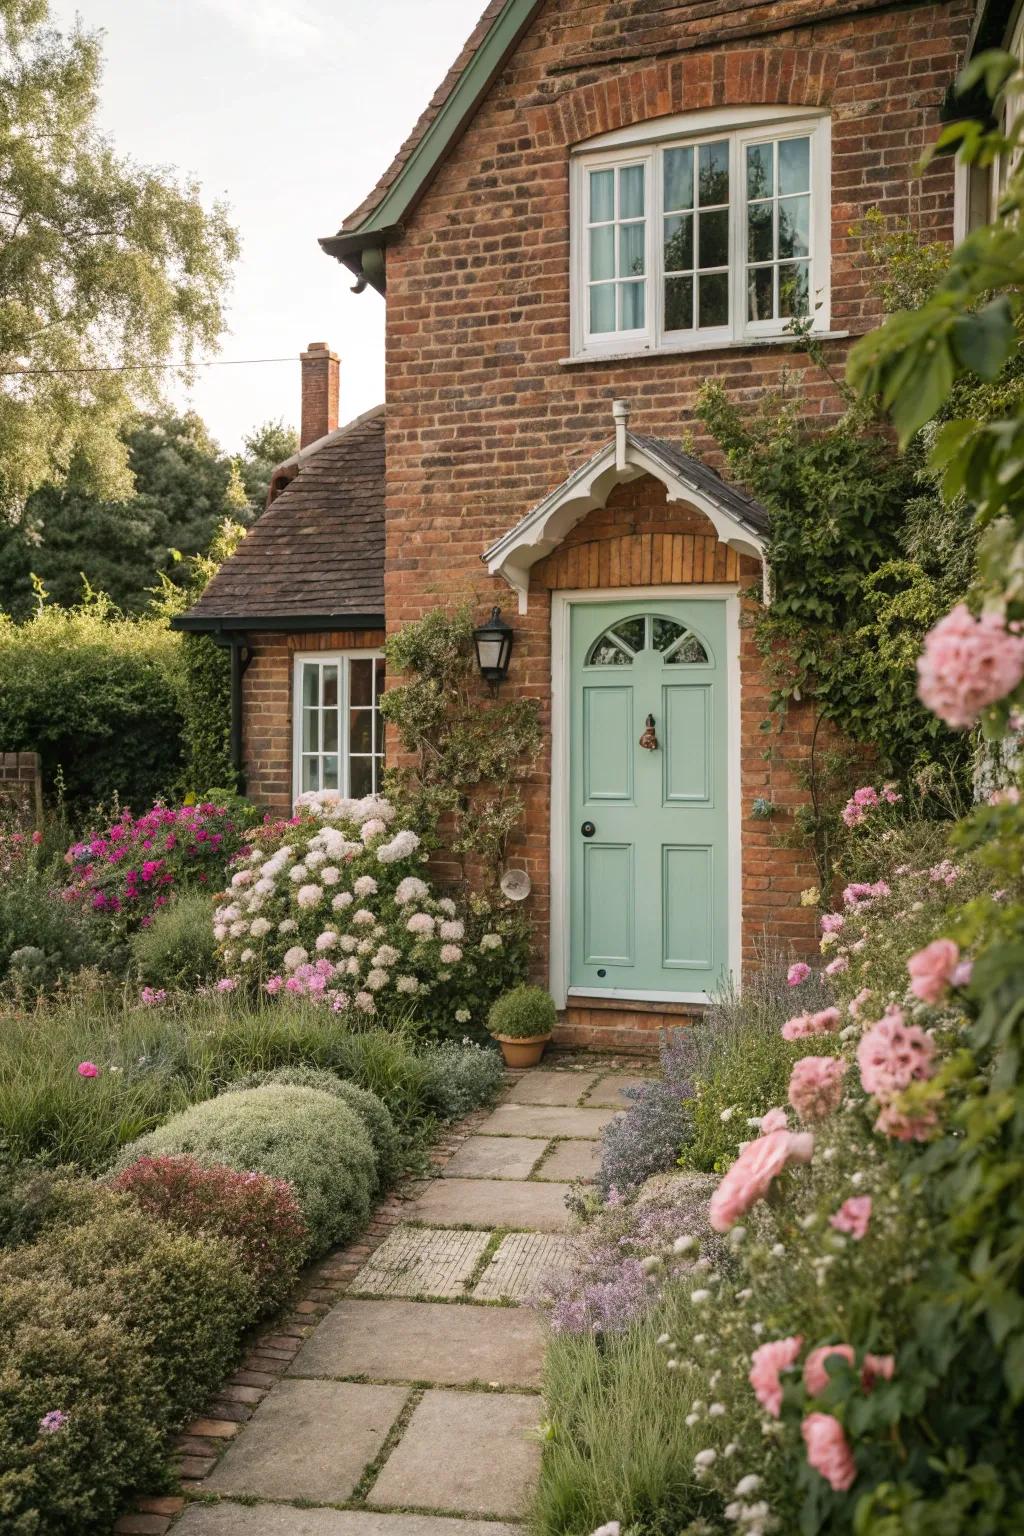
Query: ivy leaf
{"points": [[985, 339]]}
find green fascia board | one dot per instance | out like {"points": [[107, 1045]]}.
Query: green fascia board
{"points": [[385, 221]]}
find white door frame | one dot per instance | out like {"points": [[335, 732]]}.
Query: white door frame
{"points": [[561, 693]]}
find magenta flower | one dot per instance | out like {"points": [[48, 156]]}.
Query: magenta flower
{"points": [[88, 1069], [51, 1422]]}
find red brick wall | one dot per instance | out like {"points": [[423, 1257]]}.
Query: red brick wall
{"points": [[267, 707], [484, 419]]}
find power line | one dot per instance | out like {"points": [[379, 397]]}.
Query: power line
{"points": [[223, 362]]}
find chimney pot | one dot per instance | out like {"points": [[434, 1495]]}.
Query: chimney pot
{"points": [[320, 381]]}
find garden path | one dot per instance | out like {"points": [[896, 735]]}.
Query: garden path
{"points": [[409, 1408]]}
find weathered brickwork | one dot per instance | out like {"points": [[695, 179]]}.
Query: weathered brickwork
{"points": [[267, 707], [485, 417]]}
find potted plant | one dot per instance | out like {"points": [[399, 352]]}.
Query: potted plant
{"points": [[522, 1022]]}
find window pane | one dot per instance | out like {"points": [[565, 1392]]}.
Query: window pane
{"points": [[794, 166], [679, 304], [632, 306], [665, 632], [330, 731], [760, 181], [310, 730], [602, 307], [679, 243], [761, 293], [311, 773], [631, 192], [330, 773], [794, 226], [634, 632], [688, 653], [678, 178], [607, 654], [378, 772], [379, 674], [360, 682], [713, 175], [713, 238], [760, 246], [360, 728], [360, 777], [713, 300], [330, 686], [794, 288], [631, 250], [310, 683], [602, 251], [602, 196]]}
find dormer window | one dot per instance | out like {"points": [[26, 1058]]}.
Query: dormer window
{"points": [[696, 235]]}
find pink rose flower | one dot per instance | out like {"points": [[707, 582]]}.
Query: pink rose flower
{"points": [[961, 976], [837, 966], [88, 1069], [816, 1086], [875, 1368], [766, 1364], [751, 1175], [774, 1120], [798, 973], [932, 968], [967, 665], [902, 1126], [853, 1216], [832, 922], [806, 1024], [892, 1055], [816, 1377], [828, 1450], [855, 1004]]}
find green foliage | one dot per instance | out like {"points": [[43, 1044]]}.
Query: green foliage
{"points": [[312, 1139], [41, 937], [462, 1077], [371, 1110], [177, 949], [61, 1352], [103, 262], [470, 755], [523, 1014], [265, 448], [92, 693]]}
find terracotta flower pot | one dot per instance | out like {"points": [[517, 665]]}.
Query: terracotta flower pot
{"points": [[522, 1053]]}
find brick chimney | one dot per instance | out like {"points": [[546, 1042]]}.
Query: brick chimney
{"points": [[319, 392]]}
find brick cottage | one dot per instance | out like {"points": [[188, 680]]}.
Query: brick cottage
{"points": [[606, 204]]}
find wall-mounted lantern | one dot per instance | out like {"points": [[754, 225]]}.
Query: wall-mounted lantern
{"points": [[493, 642]]}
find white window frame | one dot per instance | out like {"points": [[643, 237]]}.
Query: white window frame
{"points": [[341, 659], [645, 143]]}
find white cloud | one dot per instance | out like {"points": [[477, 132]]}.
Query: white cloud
{"points": [[291, 27]]}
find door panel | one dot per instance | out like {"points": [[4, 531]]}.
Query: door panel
{"points": [[648, 830], [607, 749], [687, 905], [608, 904]]}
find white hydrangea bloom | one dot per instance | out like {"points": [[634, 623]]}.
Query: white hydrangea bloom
{"points": [[387, 955], [411, 889], [244, 877], [239, 929], [259, 927], [230, 913], [448, 906], [364, 1002], [462, 1015], [329, 875], [247, 955], [362, 917], [265, 886], [343, 899], [326, 940], [315, 857], [452, 930], [347, 943], [295, 957], [451, 954], [288, 926], [310, 896], [407, 984], [422, 924], [366, 885], [491, 941], [364, 946], [297, 873], [376, 978], [220, 932], [371, 829], [401, 846]]}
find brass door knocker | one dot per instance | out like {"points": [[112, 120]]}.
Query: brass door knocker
{"points": [[648, 739]]}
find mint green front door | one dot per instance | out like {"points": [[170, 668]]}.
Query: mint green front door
{"points": [[648, 827]]}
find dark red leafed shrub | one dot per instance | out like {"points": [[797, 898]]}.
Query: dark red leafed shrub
{"points": [[257, 1213]]}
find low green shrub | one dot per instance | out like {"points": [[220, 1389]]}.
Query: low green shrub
{"points": [[462, 1077], [312, 1139], [522, 1014], [40, 938], [370, 1109], [177, 949], [186, 1299], [33, 1199], [77, 1426]]}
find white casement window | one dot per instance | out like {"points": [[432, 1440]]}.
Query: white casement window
{"points": [[338, 731], [701, 236]]}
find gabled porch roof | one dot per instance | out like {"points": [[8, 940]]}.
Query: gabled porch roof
{"points": [[737, 518]]}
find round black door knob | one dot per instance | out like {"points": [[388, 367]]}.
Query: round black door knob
{"points": [[588, 829]]}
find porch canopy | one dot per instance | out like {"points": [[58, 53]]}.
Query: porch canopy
{"points": [[737, 518]]}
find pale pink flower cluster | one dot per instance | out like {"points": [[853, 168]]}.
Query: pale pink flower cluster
{"points": [[967, 665], [798, 973], [751, 1175], [816, 1086], [803, 1025], [828, 1450], [837, 966], [866, 799], [894, 1054], [873, 1367], [857, 893], [766, 1365], [832, 922], [774, 1120], [932, 969], [853, 1217]]}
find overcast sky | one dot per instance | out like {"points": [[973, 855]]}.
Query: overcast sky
{"points": [[289, 109]]}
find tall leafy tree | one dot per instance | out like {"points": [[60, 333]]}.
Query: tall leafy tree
{"points": [[104, 264], [265, 447]]}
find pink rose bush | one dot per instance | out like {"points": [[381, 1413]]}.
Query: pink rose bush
{"points": [[932, 970], [968, 665], [816, 1086], [853, 1217], [798, 973], [824, 1022], [828, 1450], [753, 1173], [766, 1366]]}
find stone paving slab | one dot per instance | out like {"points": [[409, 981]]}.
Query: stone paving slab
{"points": [[425, 1341], [309, 1440], [544, 1120], [607, 1094], [492, 1157], [521, 1260], [570, 1160], [493, 1203], [465, 1451], [539, 1087], [414, 1261], [284, 1520]]}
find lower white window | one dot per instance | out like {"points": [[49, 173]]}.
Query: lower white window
{"points": [[338, 730]]}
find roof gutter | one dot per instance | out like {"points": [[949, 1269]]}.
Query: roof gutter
{"points": [[287, 624]]}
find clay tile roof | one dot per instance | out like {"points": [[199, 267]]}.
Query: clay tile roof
{"points": [[318, 550], [437, 101]]}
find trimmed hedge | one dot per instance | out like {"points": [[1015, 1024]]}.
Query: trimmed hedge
{"points": [[371, 1110], [312, 1139]]}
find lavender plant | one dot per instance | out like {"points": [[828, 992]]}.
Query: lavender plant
{"points": [[647, 1138]]}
